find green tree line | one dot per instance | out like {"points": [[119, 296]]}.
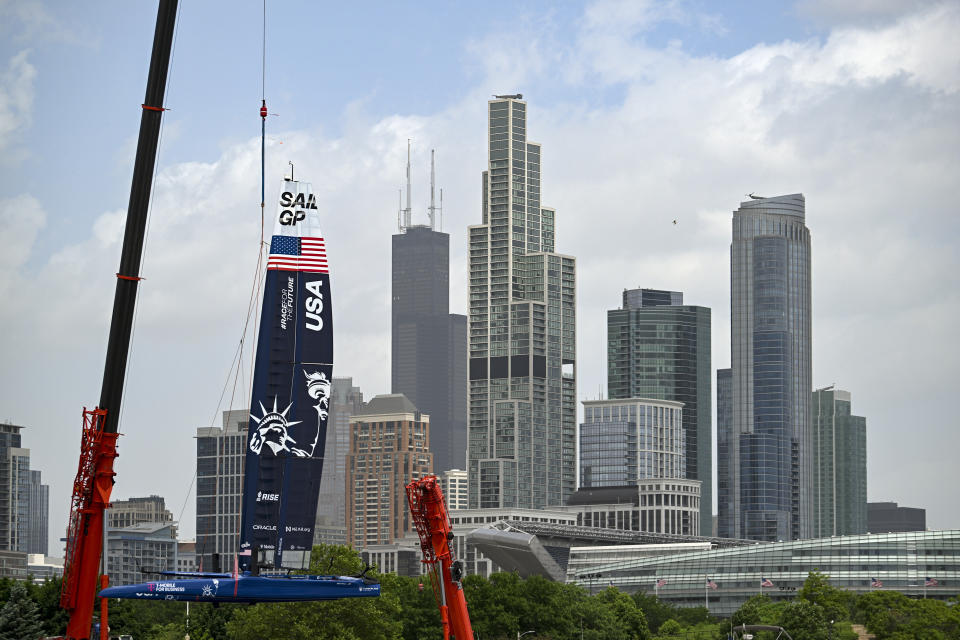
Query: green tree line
{"points": [[500, 607]]}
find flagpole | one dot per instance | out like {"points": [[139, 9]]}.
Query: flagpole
{"points": [[706, 593]]}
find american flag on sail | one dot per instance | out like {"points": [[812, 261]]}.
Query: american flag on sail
{"points": [[291, 253]]}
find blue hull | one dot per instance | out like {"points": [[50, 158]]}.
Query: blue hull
{"points": [[248, 589]]}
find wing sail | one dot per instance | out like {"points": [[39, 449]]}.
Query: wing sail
{"points": [[291, 389]]}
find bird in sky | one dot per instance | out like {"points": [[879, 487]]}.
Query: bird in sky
{"points": [[674, 222]]}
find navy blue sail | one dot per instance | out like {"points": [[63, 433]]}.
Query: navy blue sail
{"points": [[291, 390], [288, 428]]}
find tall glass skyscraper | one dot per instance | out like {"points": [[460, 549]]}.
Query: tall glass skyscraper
{"points": [[769, 465], [839, 465], [521, 448], [658, 347], [428, 343]]}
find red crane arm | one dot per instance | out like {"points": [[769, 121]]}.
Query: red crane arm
{"points": [[430, 517], [91, 495]]}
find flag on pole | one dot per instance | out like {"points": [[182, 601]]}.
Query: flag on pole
{"points": [[875, 583], [660, 582], [711, 583], [766, 582], [930, 582]]}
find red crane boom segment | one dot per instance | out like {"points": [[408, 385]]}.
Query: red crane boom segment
{"points": [[91, 495], [430, 517]]}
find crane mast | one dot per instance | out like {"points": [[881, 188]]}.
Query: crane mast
{"points": [[430, 517], [94, 480]]}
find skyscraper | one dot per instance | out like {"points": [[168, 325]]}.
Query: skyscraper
{"points": [[24, 511], [770, 433], [726, 477], [839, 465], [521, 449], [659, 348], [428, 343], [221, 453], [389, 446], [39, 514], [346, 401]]}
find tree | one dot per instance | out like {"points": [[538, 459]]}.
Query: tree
{"points": [[47, 597], [818, 590], [890, 615], [654, 610], [757, 610], [20, 615], [804, 619], [625, 619], [669, 628]]}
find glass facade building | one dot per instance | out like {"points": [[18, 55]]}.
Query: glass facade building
{"points": [[839, 465], [769, 465], [899, 561], [659, 348], [521, 446], [625, 441], [428, 361], [24, 501]]}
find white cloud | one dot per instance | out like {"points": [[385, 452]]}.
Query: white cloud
{"points": [[16, 97], [862, 13], [869, 137], [21, 219]]}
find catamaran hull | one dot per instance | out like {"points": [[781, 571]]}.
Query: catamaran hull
{"points": [[248, 589]]}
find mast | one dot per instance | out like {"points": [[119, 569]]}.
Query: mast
{"points": [[433, 209], [408, 210]]}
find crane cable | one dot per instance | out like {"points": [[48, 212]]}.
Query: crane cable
{"points": [[236, 364]]}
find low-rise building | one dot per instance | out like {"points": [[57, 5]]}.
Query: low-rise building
{"points": [[655, 505], [187, 556], [918, 564], [43, 567], [144, 547]]}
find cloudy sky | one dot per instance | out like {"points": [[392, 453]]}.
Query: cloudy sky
{"points": [[647, 112]]}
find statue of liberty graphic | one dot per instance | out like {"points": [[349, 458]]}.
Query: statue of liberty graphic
{"points": [[273, 428]]}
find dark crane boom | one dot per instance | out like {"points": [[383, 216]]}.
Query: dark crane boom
{"points": [[94, 481]]}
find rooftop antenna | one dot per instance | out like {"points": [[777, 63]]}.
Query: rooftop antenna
{"points": [[404, 214], [433, 208]]}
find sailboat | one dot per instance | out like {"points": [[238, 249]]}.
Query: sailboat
{"points": [[287, 433]]}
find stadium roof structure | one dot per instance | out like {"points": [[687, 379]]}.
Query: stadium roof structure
{"points": [[542, 548]]}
